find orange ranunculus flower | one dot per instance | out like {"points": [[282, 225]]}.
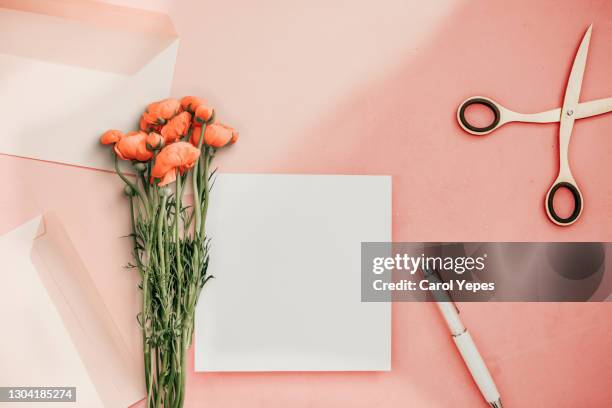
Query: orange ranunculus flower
{"points": [[234, 137], [161, 111], [146, 126], [203, 113], [179, 156], [111, 136], [216, 135], [191, 103], [176, 127], [196, 130], [154, 141], [143, 124], [133, 146]]}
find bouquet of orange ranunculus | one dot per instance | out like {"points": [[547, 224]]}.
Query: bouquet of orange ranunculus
{"points": [[176, 143]]}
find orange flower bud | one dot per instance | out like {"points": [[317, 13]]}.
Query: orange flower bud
{"points": [[129, 191], [133, 146], [111, 136], [143, 124], [179, 156], [203, 113], [161, 111], [216, 135], [176, 127], [155, 141], [191, 103], [148, 127]]}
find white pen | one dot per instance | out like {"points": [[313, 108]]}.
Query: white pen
{"points": [[472, 358]]}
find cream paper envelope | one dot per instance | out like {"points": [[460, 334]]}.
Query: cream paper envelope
{"points": [[58, 331], [71, 70], [286, 260]]}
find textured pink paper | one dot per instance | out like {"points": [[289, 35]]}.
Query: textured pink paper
{"points": [[273, 70], [282, 80]]}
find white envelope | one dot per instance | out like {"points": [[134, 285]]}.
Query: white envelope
{"points": [[57, 329], [70, 71], [286, 260]]}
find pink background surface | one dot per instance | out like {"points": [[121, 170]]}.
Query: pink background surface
{"points": [[373, 89]]}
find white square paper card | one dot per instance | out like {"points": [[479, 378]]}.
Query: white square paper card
{"points": [[286, 260]]}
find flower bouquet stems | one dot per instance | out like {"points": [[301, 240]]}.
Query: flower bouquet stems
{"points": [[176, 144]]}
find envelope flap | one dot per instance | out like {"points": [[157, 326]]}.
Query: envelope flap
{"points": [[84, 33]]}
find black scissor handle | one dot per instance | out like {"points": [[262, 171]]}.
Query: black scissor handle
{"points": [[550, 208], [478, 101]]}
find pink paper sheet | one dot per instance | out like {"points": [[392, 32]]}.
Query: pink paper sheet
{"points": [[129, 37], [116, 373], [60, 331], [76, 255]]}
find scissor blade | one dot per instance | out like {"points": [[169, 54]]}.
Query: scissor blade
{"points": [[574, 84], [570, 105], [594, 108]]}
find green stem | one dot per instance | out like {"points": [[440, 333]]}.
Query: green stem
{"points": [[145, 290], [150, 381], [157, 373], [160, 391], [135, 239], [196, 191], [177, 210], [177, 364], [161, 222], [205, 189], [144, 200], [183, 374], [197, 226], [145, 185]]}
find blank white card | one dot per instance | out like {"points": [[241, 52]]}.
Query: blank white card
{"points": [[287, 289]]}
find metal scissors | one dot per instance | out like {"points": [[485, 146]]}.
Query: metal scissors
{"points": [[566, 115]]}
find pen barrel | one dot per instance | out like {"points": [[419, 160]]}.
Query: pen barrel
{"points": [[478, 369], [451, 317]]}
